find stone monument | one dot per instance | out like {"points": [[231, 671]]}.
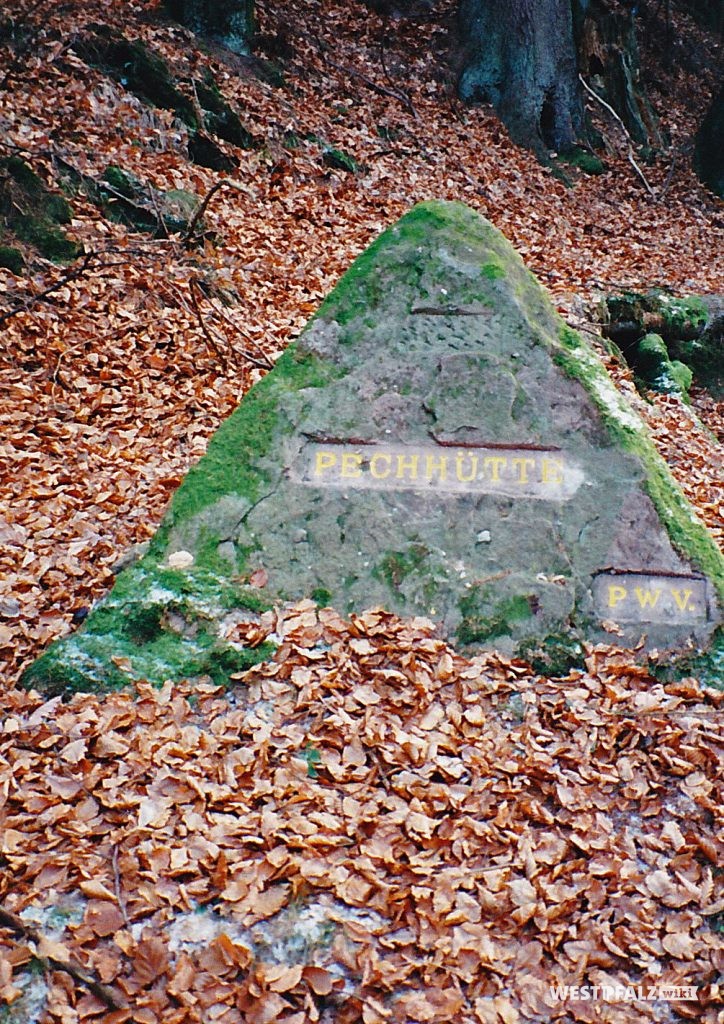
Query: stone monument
{"points": [[436, 442]]}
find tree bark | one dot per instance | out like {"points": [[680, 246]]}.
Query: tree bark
{"points": [[524, 57], [229, 22], [608, 58], [709, 151], [520, 56]]}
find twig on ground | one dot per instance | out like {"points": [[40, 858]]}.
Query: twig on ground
{"points": [[213, 343], [18, 926], [73, 273], [669, 178], [263, 362], [395, 94], [630, 155], [117, 886], [201, 208]]}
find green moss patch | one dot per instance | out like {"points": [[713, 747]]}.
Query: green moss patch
{"points": [[485, 617], [157, 624], [682, 325], [705, 666], [126, 199], [11, 259], [340, 161], [554, 655], [584, 160], [33, 213]]}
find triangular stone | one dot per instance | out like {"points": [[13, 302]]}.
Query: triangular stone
{"points": [[437, 442]]}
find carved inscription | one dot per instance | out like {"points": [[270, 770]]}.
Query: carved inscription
{"points": [[514, 472], [641, 597]]}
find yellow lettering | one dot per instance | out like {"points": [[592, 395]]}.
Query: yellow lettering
{"points": [[436, 464], [380, 474], [351, 462], [523, 465], [615, 595], [325, 460], [459, 467], [647, 598], [552, 471], [683, 601], [495, 462], [408, 462]]}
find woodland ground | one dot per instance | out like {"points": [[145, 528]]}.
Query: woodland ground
{"points": [[571, 828]]}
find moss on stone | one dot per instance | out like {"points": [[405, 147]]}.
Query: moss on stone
{"points": [[340, 161], [403, 254], [126, 199], [492, 271], [137, 68], [650, 361], [705, 666], [231, 462], [396, 566], [158, 623], [33, 213], [220, 118], [485, 618], [652, 355], [587, 162], [100, 662], [681, 322], [11, 259], [322, 597], [687, 533], [554, 655]]}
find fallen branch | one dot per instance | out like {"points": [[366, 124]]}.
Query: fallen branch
{"points": [[201, 208], [72, 275], [213, 343], [18, 926], [395, 94], [631, 159], [263, 362]]}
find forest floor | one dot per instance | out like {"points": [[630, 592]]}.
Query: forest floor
{"points": [[571, 826]]}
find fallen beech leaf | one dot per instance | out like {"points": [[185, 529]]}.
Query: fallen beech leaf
{"points": [[96, 890], [282, 979], [680, 945], [50, 949], [320, 981], [259, 578]]}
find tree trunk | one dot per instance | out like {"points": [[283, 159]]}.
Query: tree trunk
{"points": [[524, 57], [229, 22], [520, 56], [608, 58], [709, 152]]}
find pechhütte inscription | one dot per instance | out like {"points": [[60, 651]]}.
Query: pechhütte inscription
{"points": [[547, 474]]}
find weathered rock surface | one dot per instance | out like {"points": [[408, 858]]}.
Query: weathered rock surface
{"points": [[436, 442]]}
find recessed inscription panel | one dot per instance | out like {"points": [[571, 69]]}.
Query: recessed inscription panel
{"points": [[513, 472], [643, 597]]}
